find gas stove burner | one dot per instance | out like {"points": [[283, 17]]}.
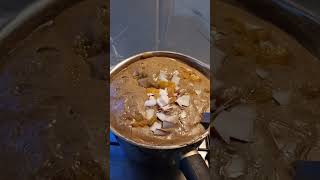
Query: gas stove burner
{"points": [[203, 149]]}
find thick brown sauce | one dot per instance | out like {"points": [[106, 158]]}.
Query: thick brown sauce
{"points": [[283, 134], [128, 97], [52, 100]]}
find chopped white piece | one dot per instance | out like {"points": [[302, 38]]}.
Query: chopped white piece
{"points": [[163, 76], [184, 100], [155, 126], [198, 92], [149, 113], [164, 117], [183, 115], [163, 100], [166, 124], [172, 119], [151, 102], [175, 79], [163, 92], [161, 116]]}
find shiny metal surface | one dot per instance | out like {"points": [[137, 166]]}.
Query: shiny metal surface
{"points": [[22, 23]]}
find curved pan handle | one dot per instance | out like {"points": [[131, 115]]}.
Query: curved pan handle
{"points": [[194, 167]]}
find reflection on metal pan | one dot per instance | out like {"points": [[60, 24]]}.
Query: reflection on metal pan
{"points": [[29, 20]]}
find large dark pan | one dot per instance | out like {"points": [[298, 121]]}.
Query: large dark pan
{"points": [[29, 19], [29, 135], [298, 22]]}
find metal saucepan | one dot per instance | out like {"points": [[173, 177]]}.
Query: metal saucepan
{"points": [[191, 162]]}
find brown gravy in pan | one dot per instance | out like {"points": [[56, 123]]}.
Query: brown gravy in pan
{"points": [[261, 61], [159, 101]]}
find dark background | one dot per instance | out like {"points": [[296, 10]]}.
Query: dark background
{"points": [[10, 8]]}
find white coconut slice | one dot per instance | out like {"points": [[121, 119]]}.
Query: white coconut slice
{"points": [[156, 125], [161, 116], [149, 113], [163, 100], [183, 100], [167, 125], [163, 92], [172, 119], [164, 117], [175, 79], [163, 76], [151, 102]]}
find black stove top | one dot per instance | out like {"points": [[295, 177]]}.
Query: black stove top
{"points": [[122, 168]]}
